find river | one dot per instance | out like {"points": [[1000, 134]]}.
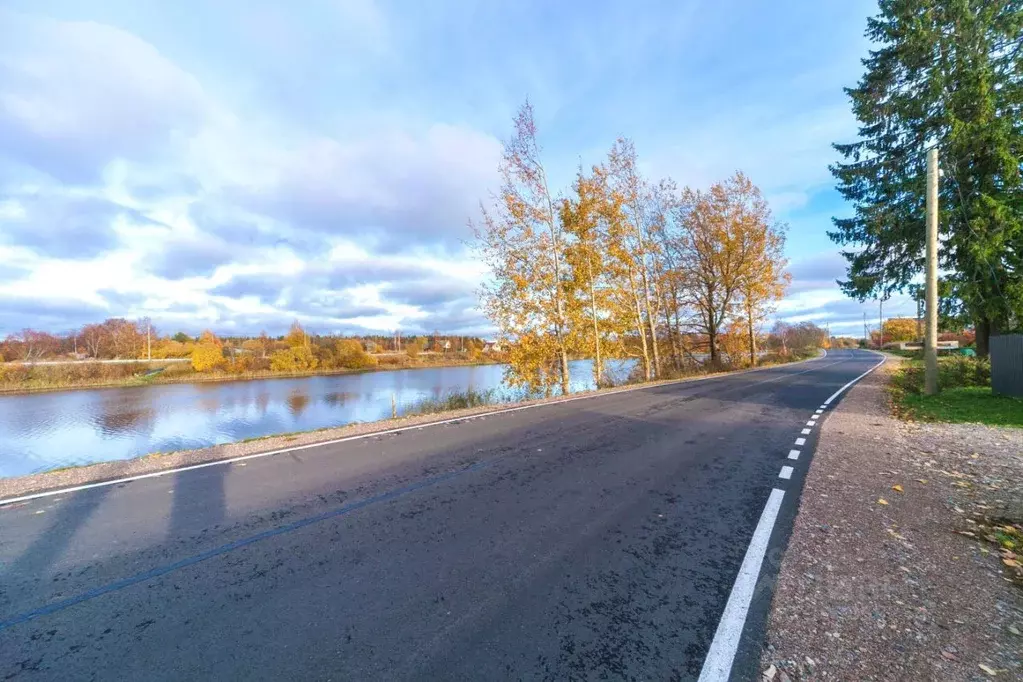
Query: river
{"points": [[43, 431]]}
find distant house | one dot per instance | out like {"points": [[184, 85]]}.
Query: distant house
{"points": [[446, 345], [492, 347]]}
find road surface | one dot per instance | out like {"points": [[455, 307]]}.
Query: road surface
{"points": [[594, 539]]}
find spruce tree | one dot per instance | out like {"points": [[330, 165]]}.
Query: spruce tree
{"points": [[950, 73]]}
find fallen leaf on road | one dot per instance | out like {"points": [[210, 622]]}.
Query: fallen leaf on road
{"points": [[897, 488], [881, 500], [1011, 563], [949, 656], [1014, 630], [922, 480], [988, 669], [769, 674]]}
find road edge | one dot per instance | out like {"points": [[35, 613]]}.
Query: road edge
{"points": [[718, 664]]}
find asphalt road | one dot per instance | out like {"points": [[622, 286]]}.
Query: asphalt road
{"points": [[593, 539]]}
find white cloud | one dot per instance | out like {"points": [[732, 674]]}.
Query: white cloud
{"points": [[76, 95]]}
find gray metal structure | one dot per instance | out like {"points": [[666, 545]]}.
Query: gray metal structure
{"points": [[1007, 364]]}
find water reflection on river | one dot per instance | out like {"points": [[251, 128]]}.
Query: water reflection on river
{"points": [[47, 430]]}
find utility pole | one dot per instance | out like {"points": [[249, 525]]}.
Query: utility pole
{"points": [[866, 333], [880, 322], [931, 325]]}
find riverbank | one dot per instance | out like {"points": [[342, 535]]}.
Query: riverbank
{"points": [[434, 411], [52, 380]]}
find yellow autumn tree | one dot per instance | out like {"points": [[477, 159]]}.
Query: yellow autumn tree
{"points": [[522, 240], [207, 356], [763, 281], [901, 329], [587, 291], [716, 251], [294, 359], [351, 355], [639, 211], [296, 336]]}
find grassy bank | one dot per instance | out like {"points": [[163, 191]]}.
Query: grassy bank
{"points": [[965, 395], [16, 379], [973, 404]]}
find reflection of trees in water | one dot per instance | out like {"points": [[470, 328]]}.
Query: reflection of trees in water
{"points": [[262, 403], [115, 419], [297, 402], [334, 399]]}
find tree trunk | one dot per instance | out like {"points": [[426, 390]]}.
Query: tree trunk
{"points": [[983, 328], [752, 337], [640, 327], [652, 322], [598, 363], [712, 338], [676, 354]]}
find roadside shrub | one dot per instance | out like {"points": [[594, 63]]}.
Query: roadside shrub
{"points": [[954, 371], [457, 400], [297, 359], [351, 355], [207, 357], [959, 370]]}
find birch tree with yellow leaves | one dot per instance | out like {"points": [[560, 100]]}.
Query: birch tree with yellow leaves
{"points": [[765, 280], [623, 267], [521, 238], [582, 216]]}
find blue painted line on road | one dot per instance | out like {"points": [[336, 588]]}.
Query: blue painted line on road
{"points": [[237, 544]]}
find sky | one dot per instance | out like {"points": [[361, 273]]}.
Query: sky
{"points": [[241, 164]]}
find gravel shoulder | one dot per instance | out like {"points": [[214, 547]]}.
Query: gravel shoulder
{"points": [[883, 584]]}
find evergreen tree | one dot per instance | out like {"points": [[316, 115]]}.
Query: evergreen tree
{"points": [[950, 73]]}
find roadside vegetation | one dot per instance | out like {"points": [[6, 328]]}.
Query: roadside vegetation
{"points": [[965, 396]]}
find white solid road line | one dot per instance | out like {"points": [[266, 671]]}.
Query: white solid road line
{"points": [[786, 473], [800, 441], [717, 667], [841, 390], [793, 454]]}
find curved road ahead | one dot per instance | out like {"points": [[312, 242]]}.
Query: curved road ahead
{"points": [[598, 538]]}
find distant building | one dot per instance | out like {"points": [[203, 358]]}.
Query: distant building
{"points": [[916, 345]]}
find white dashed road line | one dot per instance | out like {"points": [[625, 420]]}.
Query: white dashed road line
{"points": [[805, 432], [793, 454], [786, 473], [811, 423], [800, 441]]}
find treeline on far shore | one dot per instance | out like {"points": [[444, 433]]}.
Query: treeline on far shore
{"points": [[120, 351]]}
